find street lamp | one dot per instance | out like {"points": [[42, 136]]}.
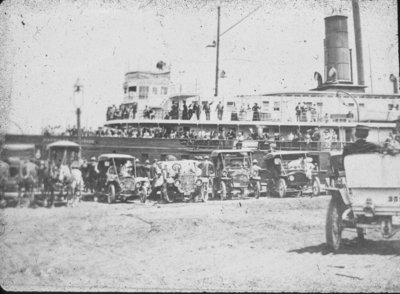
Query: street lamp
{"points": [[354, 99], [78, 103]]}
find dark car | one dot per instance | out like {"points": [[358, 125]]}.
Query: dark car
{"points": [[234, 173], [121, 178], [288, 172]]}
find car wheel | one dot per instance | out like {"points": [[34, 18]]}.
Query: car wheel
{"points": [[282, 188], [111, 194], [316, 187], [334, 224], [223, 191]]}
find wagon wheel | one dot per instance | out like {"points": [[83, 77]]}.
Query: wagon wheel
{"points": [[316, 187], [223, 191], [111, 194], [282, 188], [204, 194], [334, 224]]}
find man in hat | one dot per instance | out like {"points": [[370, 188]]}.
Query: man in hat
{"points": [[147, 167], [361, 145]]}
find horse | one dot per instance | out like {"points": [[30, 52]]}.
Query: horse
{"points": [[4, 176], [49, 178], [27, 179], [72, 178]]}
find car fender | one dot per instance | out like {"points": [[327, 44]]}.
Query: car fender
{"points": [[341, 193]]}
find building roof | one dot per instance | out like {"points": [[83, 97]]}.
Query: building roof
{"points": [[108, 156], [63, 143]]}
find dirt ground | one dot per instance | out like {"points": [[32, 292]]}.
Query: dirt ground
{"points": [[237, 245]]}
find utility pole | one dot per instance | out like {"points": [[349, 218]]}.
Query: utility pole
{"points": [[217, 63]]}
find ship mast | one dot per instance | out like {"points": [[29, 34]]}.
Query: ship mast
{"points": [[217, 62]]}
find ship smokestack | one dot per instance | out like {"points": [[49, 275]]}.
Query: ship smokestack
{"points": [[358, 37], [336, 43]]}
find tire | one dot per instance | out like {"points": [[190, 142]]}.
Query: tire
{"points": [[111, 194], [282, 188], [316, 187], [334, 226], [223, 191]]}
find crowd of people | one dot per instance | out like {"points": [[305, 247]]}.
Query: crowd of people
{"points": [[124, 111]]}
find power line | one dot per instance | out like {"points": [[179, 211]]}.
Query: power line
{"points": [[234, 25]]}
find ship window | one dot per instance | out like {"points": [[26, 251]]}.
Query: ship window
{"points": [[183, 157], [361, 104], [125, 90], [154, 90], [390, 106], [145, 156], [265, 106], [277, 106], [132, 89], [143, 92], [163, 157], [351, 104], [164, 90]]}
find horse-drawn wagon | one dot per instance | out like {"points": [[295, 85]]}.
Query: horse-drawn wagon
{"points": [[62, 180]]}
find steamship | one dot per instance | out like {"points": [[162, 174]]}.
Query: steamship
{"points": [[340, 103]]}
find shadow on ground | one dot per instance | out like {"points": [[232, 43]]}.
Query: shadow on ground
{"points": [[355, 247]]}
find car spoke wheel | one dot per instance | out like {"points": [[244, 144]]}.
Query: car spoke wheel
{"points": [[282, 188], [111, 194], [223, 191], [334, 224], [316, 187]]}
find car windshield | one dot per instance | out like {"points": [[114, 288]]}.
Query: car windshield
{"points": [[236, 161]]}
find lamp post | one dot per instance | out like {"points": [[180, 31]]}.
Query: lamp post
{"points": [[78, 103], [354, 99]]}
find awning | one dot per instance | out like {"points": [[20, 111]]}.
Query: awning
{"points": [[63, 143]]}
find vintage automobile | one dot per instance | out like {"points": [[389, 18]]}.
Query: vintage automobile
{"points": [[288, 172], [370, 198], [328, 170], [234, 174], [121, 178], [183, 180]]}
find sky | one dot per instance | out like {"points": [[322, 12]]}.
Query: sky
{"points": [[47, 45]]}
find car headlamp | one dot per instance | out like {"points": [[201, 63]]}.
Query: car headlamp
{"points": [[291, 178], [138, 185], [224, 173], [199, 182], [277, 161]]}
